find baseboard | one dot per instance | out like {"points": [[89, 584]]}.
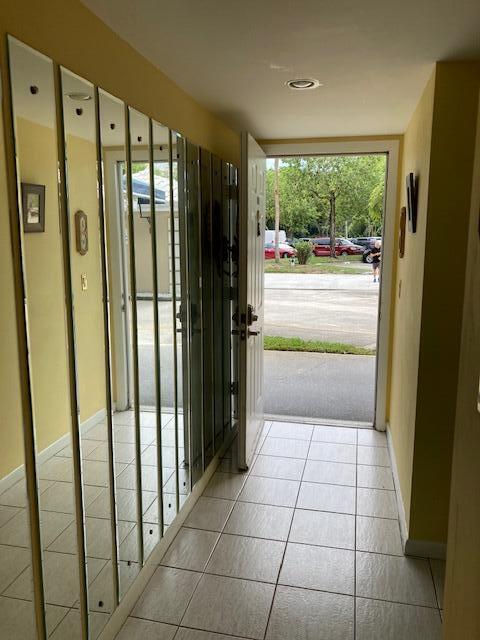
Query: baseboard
{"points": [[426, 549], [129, 600], [18, 473], [319, 421], [398, 491]]}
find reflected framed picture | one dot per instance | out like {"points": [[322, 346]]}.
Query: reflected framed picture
{"points": [[33, 207]]}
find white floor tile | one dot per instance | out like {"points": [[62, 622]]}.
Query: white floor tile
{"points": [[259, 520], [396, 579], [377, 620], [224, 485], [299, 614], [377, 503], [98, 538], [166, 596], [124, 452], [194, 634], [56, 469], [276, 467], [60, 575], [17, 531], [136, 629], [322, 568], [100, 593], [16, 496], [285, 448], [330, 452], [290, 430], [61, 497], [372, 438], [326, 497], [7, 513], [17, 619], [70, 627], [438, 570], [374, 456], [231, 606], [339, 435], [375, 477], [379, 535], [329, 472], [249, 558], [323, 528], [209, 513], [280, 493], [191, 549], [13, 560]]}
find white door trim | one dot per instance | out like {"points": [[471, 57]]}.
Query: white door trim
{"points": [[391, 148]]}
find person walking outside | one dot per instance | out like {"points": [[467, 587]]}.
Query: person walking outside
{"points": [[376, 256]]}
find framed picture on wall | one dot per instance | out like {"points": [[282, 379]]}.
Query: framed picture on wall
{"points": [[33, 207]]}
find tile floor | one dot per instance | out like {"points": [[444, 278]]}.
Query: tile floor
{"points": [[59, 529], [304, 546]]}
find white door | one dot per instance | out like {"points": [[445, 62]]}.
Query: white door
{"points": [[251, 240]]}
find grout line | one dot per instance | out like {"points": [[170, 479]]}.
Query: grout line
{"points": [[355, 552], [434, 585]]}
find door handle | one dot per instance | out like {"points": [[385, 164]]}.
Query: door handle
{"points": [[253, 333]]}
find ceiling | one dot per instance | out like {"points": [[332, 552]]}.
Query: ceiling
{"points": [[373, 57]]}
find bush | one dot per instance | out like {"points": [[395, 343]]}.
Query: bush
{"points": [[304, 251]]}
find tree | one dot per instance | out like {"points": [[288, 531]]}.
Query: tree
{"points": [[305, 185], [276, 196]]}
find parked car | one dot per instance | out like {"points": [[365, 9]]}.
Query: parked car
{"points": [[286, 251], [365, 241], [343, 247]]}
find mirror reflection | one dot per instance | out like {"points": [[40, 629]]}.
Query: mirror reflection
{"points": [[113, 154], [33, 98]]}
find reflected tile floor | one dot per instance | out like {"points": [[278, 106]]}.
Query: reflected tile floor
{"points": [[305, 545], [57, 509]]}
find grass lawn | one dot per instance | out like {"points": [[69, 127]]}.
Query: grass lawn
{"points": [[277, 343], [350, 264]]}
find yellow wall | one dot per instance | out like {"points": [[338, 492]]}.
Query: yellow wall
{"points": [[11, 449], [439, 147], [88, 317], [462, 588], [408, 294], [37, 154]]}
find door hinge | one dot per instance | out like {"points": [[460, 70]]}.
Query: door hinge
{"points": [[232, 191], [234, 388]]}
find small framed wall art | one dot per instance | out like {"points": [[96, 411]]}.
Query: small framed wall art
{"points": [[33, 207], [412, 193], [81, 232]]}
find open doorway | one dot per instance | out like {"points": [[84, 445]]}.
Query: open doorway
{"points": [[326, 321]]}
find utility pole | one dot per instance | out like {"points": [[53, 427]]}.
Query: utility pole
{"points": [[332, 197], [276, 195]]}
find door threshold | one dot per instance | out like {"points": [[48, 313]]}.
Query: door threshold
{"points": [[321, 421]]}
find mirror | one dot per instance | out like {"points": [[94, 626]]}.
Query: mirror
{"points": [[113, 154], [17, 617], [93, 384], [144, 325], [33, 98]]}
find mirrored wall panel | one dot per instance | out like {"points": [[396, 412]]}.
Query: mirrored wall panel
{"points": [[35, 121], [86, 243], [127, 243], [16, 616], [115, 206]]}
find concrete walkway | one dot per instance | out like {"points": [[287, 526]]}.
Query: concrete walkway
{"points": [[320, 385]]}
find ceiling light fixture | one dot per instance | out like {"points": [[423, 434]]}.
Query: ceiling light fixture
{"points": [[79, 96], [302, 84]]}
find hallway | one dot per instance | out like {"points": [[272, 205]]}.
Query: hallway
{"points": [[306, 545]]}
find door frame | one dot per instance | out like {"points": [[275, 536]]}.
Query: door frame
{"points": [[390, 147]]}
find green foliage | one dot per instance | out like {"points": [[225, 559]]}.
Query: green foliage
{"points": [[304, 185], [304, 251], [138, 166], [278, 343]]}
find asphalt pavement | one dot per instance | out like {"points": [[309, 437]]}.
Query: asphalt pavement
{"points": [[337, 308]]}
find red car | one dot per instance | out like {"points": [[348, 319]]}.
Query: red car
{"points": [[343, 247], [286, 251]]}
